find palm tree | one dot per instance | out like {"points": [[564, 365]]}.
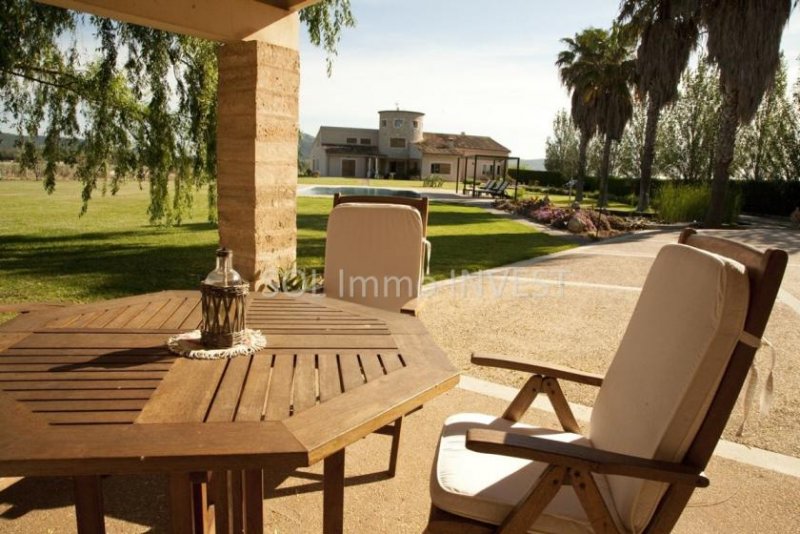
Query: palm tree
{"points": [[578, 68], [615, 105], [744, 39], [667, 32], [598, 69]]}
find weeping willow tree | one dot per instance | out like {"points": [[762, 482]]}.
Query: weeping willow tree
{"points": [[140, 104]]}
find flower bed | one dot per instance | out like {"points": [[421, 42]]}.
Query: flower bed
{"points": [[577, 221]]}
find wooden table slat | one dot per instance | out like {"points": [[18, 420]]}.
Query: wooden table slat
{"points": [[182, 313], [254, 394], [124, 315], [152, 308], [304, 388], [391, 361], [85, 361], [39, 365], [185, 394], [79, 376], [86, 320], [158, 319], [371, 365], [98, 405], [352, 376], [108, 340], [81, 394], [91, 418], [280, 387], [330, 383], [223, 407], [194, 318], [104, 318], [9, 385]]}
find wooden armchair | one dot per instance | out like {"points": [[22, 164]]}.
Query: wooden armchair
{"points": [[659, 413]]}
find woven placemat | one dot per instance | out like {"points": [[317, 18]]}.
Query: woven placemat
{"points": [[189, 345]]}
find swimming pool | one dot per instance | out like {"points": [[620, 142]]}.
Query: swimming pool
{"points": [[324, 190]]}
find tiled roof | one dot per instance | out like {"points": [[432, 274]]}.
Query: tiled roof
{"points": [[440, 143]]}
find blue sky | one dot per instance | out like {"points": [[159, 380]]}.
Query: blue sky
{"points": [[486, 68]]}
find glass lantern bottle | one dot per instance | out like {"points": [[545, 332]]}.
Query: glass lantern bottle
{"points": [[223, 303]]}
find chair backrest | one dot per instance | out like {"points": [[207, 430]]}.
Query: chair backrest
{"points": [[420, 204], [502, 186], [373, 254], [667, 394], [491, 184]]}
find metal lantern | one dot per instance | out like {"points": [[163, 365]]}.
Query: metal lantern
{"points": [[223, 300]]}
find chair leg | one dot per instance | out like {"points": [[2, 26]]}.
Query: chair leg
{"points": [[398, 426]]}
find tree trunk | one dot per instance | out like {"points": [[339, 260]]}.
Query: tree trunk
{"points": [[648, 155], [723, 156], [603, 186], [582, 148]]}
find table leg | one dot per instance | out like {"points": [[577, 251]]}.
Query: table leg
{"points": [[89, 504], [333, 494], [398, 426], [254, 501], [181, 504]]}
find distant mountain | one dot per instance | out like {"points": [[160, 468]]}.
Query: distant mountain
{"points": [[306, 141], [8, 148]]}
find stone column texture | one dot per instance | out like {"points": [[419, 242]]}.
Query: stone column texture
{"points": [[257, 125]]}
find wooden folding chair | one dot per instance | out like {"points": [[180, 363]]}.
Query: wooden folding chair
{"points": [[659, 413], [381, 238]]}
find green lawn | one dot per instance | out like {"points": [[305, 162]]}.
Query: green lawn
{"points": [[48, 253]]}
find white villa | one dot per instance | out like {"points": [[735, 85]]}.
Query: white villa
{"points": [[400, 148]]}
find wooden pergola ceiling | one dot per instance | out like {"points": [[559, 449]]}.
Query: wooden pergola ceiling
{"points": [[231, 20]]}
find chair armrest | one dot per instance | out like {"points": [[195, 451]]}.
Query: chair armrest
{"points": [[410, 308], [579, 456], [555, 371]]}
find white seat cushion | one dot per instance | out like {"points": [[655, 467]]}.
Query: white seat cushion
{"points": [[668, 367], [485, 487], [373, 254]]}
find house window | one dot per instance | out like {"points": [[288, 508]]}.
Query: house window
{"points": [[352, 140], [365, 141], [398, 123], [383, 122], [440, 168], [416, 124], [397, 142]]}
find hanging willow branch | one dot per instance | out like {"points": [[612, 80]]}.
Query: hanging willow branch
{"points": [[142, 106]]}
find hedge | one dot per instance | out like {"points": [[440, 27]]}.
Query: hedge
{"points": [[763, 198], [770, 198]]}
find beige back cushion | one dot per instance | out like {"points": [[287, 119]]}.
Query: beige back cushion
{"points": [[373, 254], [657, 390]]}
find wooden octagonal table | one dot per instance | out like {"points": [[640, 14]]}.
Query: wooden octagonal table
{"points": [[92, 390]]}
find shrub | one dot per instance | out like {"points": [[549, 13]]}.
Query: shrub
{"points": [[434, 180], [770, 198], [676, 202]]}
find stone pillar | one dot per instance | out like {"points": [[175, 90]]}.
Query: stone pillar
{"points": [[257, 124]]}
